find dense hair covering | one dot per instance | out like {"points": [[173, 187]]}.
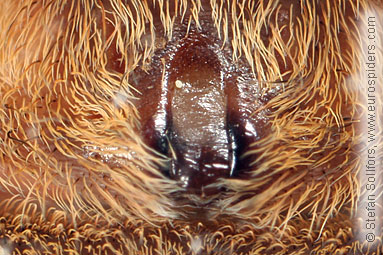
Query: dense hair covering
{"points": [[76, 176]]}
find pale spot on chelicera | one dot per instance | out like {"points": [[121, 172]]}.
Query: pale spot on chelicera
{"points": [[109, 153], [196, 245], [179, 84], [5, 248], [32, 132]]}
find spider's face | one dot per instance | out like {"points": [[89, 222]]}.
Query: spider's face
{"points": [[179, 127]]}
